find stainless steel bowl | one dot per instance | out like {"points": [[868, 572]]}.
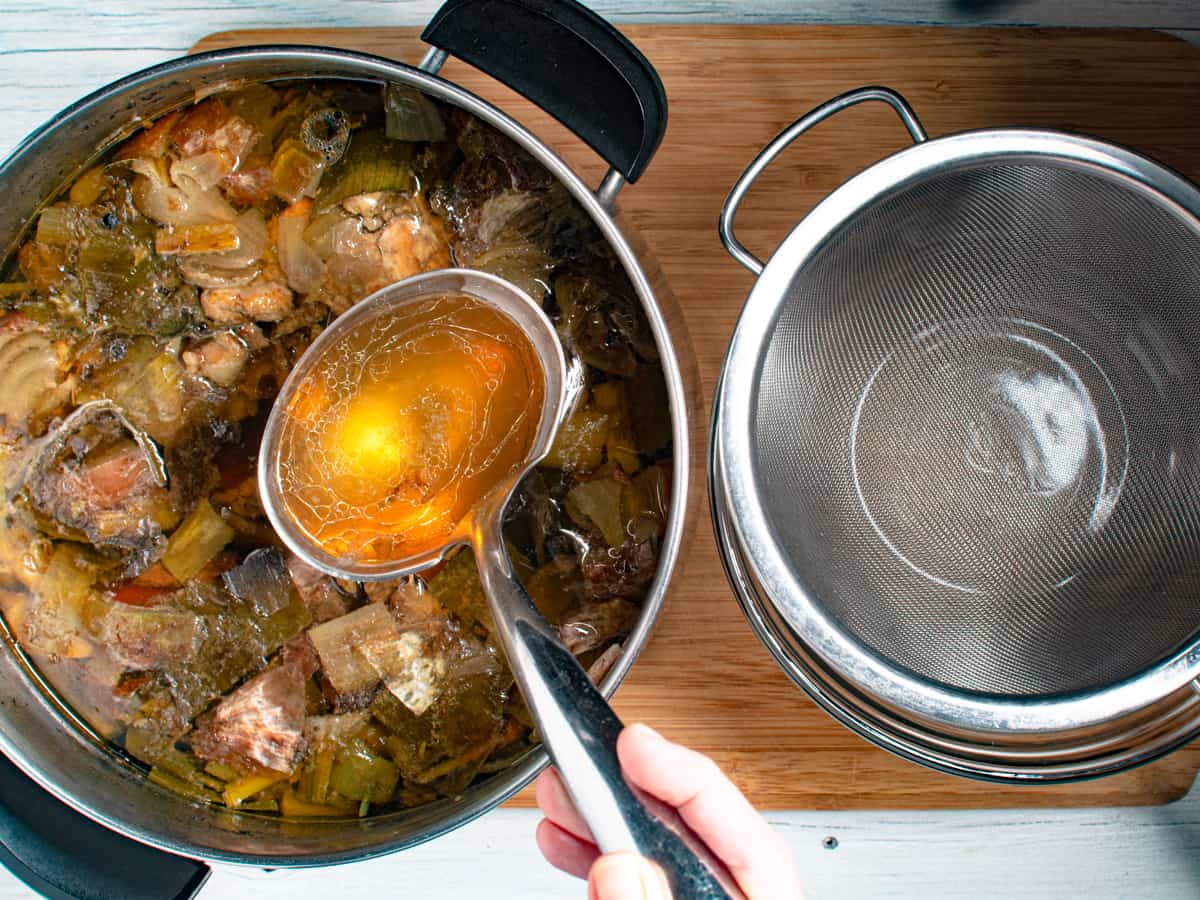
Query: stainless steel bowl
{"points": [[46, 739]]}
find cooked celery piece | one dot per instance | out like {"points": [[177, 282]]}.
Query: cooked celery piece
{"points": [[55, 226], [318, 775], [201, 536], [188, 789], [183, 240], [261, 804], [221, 771], [111, 254], [358, 774], [148, 384]]}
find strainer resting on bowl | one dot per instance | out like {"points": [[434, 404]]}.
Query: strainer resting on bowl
{"points": [[956, 450]]}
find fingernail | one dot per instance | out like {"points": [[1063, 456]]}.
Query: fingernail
{"points": [[626, 876], [559, 791]]}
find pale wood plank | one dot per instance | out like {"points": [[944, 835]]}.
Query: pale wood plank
{"points": [[1102, 854]]}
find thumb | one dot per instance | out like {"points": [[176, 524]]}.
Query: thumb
{"points": [[626, 876]]}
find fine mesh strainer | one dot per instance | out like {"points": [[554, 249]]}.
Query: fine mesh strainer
{"points": [[956, 465]]}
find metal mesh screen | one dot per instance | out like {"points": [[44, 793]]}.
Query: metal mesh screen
{"points": [[977, 425]]}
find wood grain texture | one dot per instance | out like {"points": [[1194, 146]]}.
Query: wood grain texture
{"points": [[705, 679]]}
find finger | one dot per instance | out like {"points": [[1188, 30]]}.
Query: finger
{"points": [[565, 851], [626, 876], [557, 806], [714, 808]]}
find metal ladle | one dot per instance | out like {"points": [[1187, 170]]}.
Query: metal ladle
{"points": [[576, 723]]}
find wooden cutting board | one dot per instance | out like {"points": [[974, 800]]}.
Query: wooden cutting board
{"points": [[704, 679]]}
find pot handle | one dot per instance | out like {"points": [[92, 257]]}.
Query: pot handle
{"points": [[568, 61], [767, 155], [63, 855]]}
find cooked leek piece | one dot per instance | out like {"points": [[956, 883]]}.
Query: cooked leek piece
{"points": [[358, 774]]}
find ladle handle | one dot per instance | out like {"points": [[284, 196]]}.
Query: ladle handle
{"points": [[580, 731]]}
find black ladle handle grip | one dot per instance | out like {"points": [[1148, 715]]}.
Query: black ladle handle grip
{"points": [[571, 63], [580, 732]]}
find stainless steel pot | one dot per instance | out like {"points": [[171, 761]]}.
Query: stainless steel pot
{"points": [[917, 524], [562, 57]]}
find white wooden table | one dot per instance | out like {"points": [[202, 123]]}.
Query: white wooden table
{"points": [[54, 51]]}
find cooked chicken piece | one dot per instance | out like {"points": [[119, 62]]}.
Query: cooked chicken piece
{"points": [[388, 237], [258, 726], [409, 246], [211, 126], [262, 300], [95, 475], [220, 360]]}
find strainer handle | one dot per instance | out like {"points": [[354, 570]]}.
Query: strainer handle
{"points": [[767, 155]]}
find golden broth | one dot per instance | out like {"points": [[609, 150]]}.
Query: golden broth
{"points": [[407, 421]]}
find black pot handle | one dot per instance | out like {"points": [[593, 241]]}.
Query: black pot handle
{"points": [[568, 61], [65, 856]]}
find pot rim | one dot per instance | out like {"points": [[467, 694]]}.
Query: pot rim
{"points": [[369, 67], [737, 492]]}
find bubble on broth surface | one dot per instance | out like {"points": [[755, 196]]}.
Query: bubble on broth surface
{"points": [[409, 419]]}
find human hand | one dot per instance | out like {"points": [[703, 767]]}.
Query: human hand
{"points": [[710, 804]]}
